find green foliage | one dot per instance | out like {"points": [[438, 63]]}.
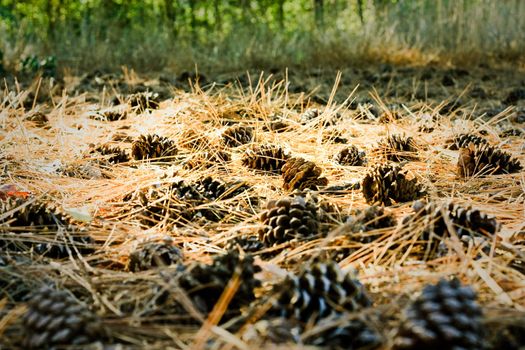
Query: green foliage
{"points": [[33, 65], [148, 33]]}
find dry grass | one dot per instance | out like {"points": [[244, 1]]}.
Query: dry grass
{"points": [[390, 266]]}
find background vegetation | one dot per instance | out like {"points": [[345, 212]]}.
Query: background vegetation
{"points": [[242, 34]]}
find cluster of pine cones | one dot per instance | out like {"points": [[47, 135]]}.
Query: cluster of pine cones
{"points": [[318, 304]]}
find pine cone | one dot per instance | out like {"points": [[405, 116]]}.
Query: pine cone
{"points": [[319, 290], [398, 148], [154, 254], [387, 183], [350, 156], [444, 316], [430, 219], [206, 283], [288, 218], [486, 160], [152, 147], [265, 158], [55, 318], [211, 189], [180, 202], [464, 140], [511, 132], [237, 135], [39, 217], [144, 100], [31, 214], [300, 174], [116, 154]]}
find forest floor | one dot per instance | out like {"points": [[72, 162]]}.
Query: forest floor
{"points": [[159, 253]]}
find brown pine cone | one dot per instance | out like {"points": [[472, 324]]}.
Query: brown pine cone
{"points": [[350, 156], [485, 160], [432, 222], [237, 135], [312, 114], [300, 174], [288, 218], [153, 146], [265, 158], [40, 119], [205, 284], [398, 148], [385, 184], [115, 153], [464, 140], [320, 289]]}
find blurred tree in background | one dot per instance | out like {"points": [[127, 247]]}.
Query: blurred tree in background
{"points": [[153, 33]]}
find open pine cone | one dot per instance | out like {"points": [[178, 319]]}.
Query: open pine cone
{"points": [[113, 154], [153, 146], [319, 290], [350, 156], [237, 135], [300, 174], [206, 283], [265, 158], [464, 140], [320, 295], [385, 184], [288, 218], [28, 216], [398, 148], [444, 316], [431, 221], [485, 160], [371, 218]]}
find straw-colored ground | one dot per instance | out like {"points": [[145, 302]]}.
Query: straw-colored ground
{"points": [[34, 158]]}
